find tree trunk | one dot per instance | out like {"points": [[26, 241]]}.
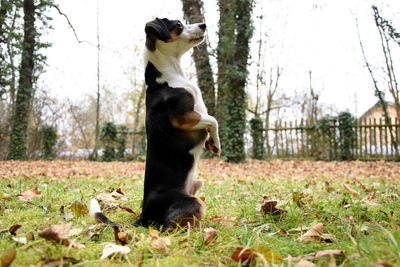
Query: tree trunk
{"points": [[193, 14], [237, 93], [225, 52], [25, 87], [3, 13]]}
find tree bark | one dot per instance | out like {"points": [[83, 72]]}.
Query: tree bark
{"points": [[192, 10], [225, 52], [238, 78], [17, 149]]}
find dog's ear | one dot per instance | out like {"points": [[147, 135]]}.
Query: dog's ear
{"points": [[156, 29]]}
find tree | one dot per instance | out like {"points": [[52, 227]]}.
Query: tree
{"points": [[192, 10], [48, 135], [235, 22], [381, 24], [25, 86], [386, 33]]}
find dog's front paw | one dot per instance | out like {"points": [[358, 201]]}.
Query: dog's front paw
{"points": [[213, 146]]}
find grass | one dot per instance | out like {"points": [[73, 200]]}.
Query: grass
{"points": [[366, 227]]}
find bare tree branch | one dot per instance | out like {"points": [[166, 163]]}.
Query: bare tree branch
{"points": [[72, 27]]}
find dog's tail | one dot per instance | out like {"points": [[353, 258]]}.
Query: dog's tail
{"points": [[97, 214]]}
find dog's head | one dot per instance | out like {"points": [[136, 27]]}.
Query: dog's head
{"points": [[171, 37]]}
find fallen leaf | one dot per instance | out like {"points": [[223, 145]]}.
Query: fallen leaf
{"points": [[105, 197], [297, 198], [224, 220], [75, 232], [153, 233], [243, 255], [381, 264], [21, 240], [118, 192], [299, 229], [350, 191], [121, 236], [269, 207], [79, 209], [30, 237], [62, 261], [318, 254], [27, 195], [60, 233], [314, 233], [64, 215], [210, 235], [112, 248], [4, 197], [8, 257], [13, 229], [161, 244], [91, 235], [305, 263], [126, 209], [268, 253]]}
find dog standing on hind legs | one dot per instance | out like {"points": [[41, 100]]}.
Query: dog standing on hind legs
{"points": [[177, 127]]}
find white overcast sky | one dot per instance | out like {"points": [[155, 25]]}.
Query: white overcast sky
{"points": [[317, 35]]}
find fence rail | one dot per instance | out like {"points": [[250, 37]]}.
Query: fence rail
{"points": [[365, 139]]}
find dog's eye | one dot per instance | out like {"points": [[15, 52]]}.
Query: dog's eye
{"points": [[179, 25]]}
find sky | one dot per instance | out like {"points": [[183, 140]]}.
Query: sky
{"points": [[320, 36]]}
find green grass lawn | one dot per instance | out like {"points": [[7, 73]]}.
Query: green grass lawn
{"points": [[365, 224]]}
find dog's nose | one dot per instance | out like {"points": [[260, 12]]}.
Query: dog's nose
{"points": [[203, 26]]}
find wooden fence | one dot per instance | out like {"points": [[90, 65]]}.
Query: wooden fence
{"points": [[368, 139]]}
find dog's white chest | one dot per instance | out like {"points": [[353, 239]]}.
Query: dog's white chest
{"points": [[182, 82]]}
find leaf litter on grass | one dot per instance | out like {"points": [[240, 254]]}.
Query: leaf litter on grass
{"points": [[317, 205]]}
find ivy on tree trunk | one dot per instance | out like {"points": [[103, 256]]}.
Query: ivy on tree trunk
{"points": [[192, 10], [236, 30], [17, 149]]}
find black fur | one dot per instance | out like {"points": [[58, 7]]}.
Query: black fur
{"points": [[168, 154], [157, 29]]}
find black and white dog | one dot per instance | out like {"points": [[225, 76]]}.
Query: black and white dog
{"points": [[177, 126]]}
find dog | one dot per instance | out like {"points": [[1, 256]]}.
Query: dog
{"points": [[177, 127]]}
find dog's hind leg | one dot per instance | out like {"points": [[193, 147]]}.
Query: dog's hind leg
{"points": [[196, 184], [185, 211]]}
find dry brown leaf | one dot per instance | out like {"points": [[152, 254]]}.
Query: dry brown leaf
{"points": [[210, 235], [243, 255], [126, 209], [224, 220], [161, 244], [13, 229], [8, 257], [27, 195], [105, 197], [313, 234], [381, 264], [59, 233], [121, 236], [30, 236], [268, 207], [153, 234], [318, 254], [350, 191], [112, 248]]}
